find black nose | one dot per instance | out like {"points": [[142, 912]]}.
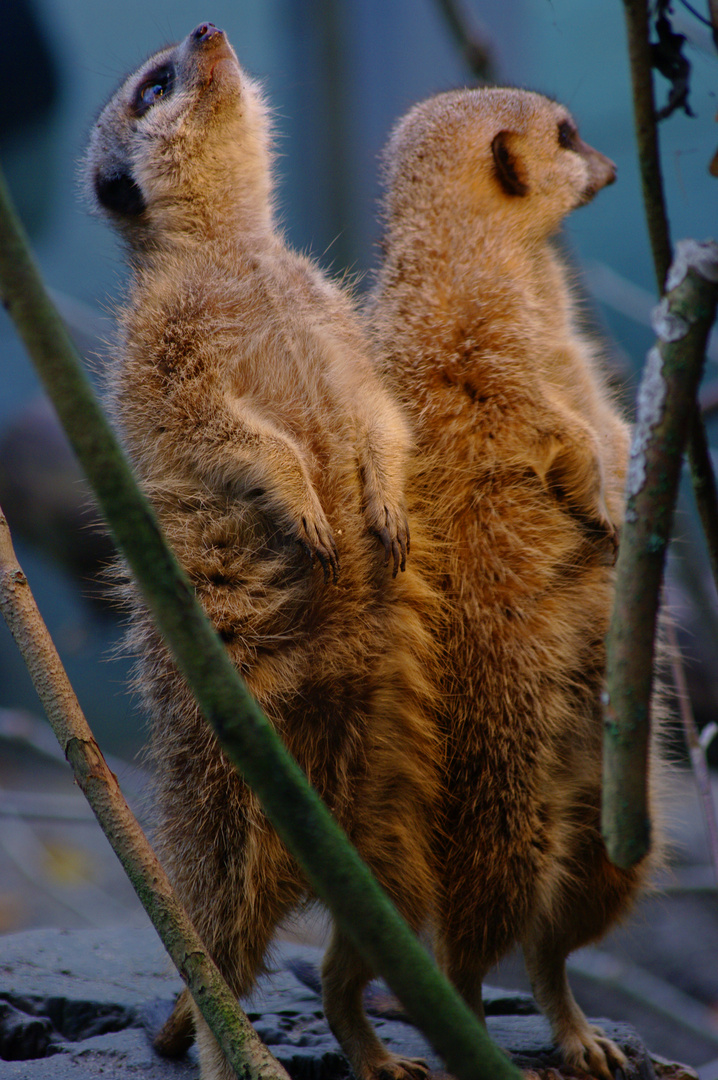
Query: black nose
{"points": [[205, 31]]}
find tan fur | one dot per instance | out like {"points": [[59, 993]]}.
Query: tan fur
{"points": [[523, 456], [246, 397]]}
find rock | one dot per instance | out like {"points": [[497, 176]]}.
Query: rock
{"points": [[76, 1004]]}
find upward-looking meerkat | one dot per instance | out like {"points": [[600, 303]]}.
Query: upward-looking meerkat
{"points": [[245, 394], [523, 455]]}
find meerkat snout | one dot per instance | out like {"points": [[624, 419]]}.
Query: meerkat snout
{"points": [[601, 171], [207, 38], [205, 32]]}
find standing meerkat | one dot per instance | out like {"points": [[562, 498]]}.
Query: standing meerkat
{"points": [[523, 456], [246, 397]]}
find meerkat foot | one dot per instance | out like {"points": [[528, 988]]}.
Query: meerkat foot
{"points": [[176, 1035], [583, 1045], [589, 1049], [392, 528], [400, 1068]]}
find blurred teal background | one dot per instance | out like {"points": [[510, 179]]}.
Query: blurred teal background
{"points": [[338, 75]]}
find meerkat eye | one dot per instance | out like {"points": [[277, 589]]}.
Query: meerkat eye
{"points": [[567, 135], [154, 88], [150, 92]]}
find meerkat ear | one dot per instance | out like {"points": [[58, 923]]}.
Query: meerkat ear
{"points": [[508, 164], [119, 194]]}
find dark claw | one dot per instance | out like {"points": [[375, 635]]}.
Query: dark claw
{"points": [[327, 554], [385, 538], [329, 560], [307, 547], [325, 563], [399, 560]]}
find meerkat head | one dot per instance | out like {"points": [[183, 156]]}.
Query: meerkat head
{"points": [[183, 144], [498, 154]]}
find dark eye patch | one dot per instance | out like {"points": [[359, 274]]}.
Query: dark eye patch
{"points": [[158, 84], [567, 135]]}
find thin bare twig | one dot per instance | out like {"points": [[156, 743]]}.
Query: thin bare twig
{"points": [[644, 115], [713, 11], [666, 401], [474, 49], [240, 1042], [623, 977], [704, 487]]}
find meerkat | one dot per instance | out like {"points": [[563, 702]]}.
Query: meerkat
{"points": [[523, 456], [244, 391]]}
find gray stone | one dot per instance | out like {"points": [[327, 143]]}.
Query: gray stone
{"points": [[80, 1004]]}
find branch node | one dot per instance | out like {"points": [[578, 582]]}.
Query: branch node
{"points": [[650, 406], [699, 256]]}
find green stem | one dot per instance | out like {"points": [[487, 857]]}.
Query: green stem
{"points": [[337, 874]]}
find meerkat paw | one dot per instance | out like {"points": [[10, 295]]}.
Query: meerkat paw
{"points": [[390, 525], [400, 1068], [593, 1052], [315, 535]]}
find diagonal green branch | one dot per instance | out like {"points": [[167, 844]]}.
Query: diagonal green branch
{"points": [[332, 866], [666, 402], [240, 1042]]}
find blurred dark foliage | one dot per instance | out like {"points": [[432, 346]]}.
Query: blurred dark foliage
{"points": [[29, 75], [667, 58]]}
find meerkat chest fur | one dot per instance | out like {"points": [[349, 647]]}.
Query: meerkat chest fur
{"points": [[247, 331], [475, 313], [521, 448]]}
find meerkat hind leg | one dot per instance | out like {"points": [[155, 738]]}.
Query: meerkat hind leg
{"points": [[344, 976], [583, 1045]]}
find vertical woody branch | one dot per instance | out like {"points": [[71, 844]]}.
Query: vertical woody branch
{"points": [[702, 474], [639, 48], [333, 867], [666, 401], [240, 1042], [644, 117]]}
